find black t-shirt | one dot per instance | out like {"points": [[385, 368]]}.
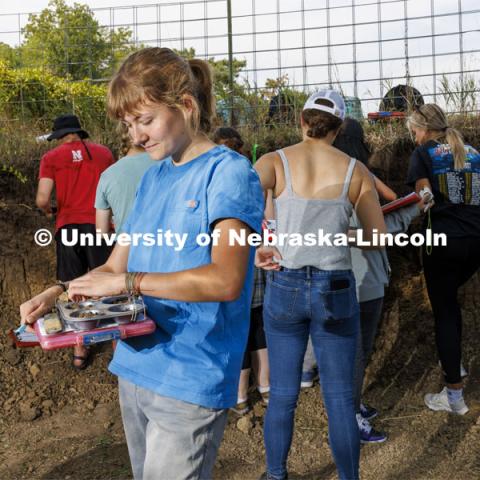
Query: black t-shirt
{"points": [[457, 192]]}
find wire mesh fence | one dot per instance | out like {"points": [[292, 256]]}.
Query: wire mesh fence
{"points": [[362, 47]]}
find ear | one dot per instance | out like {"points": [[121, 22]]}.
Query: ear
{"points": [[188, 107], [187, 101]]}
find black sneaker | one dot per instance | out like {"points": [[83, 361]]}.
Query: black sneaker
{"points": [[367, 433], [368, 412]]}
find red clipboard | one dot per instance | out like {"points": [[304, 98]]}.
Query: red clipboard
{"points": [[400, 203]]}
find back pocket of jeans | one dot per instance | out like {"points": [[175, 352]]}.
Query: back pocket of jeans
{"points": [[340, 308], [279, 302]]}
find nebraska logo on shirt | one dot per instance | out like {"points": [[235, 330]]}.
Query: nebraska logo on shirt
{"points": [[77, 155]]}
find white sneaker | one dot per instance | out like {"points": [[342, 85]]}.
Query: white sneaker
{"points": [[439, 402], [463, 372]]}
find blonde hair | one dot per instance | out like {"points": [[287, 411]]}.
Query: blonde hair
{"points": [[159, 75], [127, 147], [433, 119], [125, 139]]}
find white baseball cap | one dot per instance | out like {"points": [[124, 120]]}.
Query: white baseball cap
{"points": [[338, 104]]}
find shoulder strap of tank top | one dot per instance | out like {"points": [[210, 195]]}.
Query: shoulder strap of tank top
{"points": [[348, 177], [286, 169]]}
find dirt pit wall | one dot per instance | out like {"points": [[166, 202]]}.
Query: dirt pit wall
{"points": [[58, 423]]}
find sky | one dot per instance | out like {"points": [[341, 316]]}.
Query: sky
{"points": [[284, 53]]}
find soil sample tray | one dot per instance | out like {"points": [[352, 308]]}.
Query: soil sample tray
{"points": [[93, 321], [92, 313], [109, 330]]}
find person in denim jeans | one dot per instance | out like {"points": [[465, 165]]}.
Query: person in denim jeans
{"points": [[372, 274], [177, 383], [311, 290]]}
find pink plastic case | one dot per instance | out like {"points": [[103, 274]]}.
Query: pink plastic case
{"points": [[143, 326]]}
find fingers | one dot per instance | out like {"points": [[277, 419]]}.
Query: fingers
{"points": [[269, 265], [78, 293], [74, 298], [31, 317], [78, 288], [274, 267]]}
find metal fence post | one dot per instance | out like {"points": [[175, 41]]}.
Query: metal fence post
{"points": [[230, 58]]}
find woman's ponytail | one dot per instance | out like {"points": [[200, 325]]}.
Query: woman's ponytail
{"points": [[432, 118], [455, 140], [125, 139], [203, 75]]}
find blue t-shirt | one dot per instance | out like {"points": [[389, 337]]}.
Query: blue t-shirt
{"points": [[195, 354]]}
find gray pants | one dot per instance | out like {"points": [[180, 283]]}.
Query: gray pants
{"points": [[370, 314], [169, 439]]}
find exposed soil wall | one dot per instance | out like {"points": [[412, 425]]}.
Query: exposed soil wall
{"points": [[57, 423]]}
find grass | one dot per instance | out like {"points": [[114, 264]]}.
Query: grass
{"points": [[20, 153]]}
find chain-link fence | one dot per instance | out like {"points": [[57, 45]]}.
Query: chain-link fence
{"points": [[362, 47]]}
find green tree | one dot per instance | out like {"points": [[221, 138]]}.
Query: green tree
{"points": [[226, 99], [9, 54], [70, 42], [221, 73]]}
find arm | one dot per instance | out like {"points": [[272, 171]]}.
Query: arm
{"points": [[44, 192], [419, 170], [266, 171], [399, 220], [220, 281], [103, 218], [269, 208], [384, 191], [421, 183], [33, 309], [363, 195]]}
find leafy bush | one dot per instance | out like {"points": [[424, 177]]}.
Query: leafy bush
{"points": [[35, 93]]}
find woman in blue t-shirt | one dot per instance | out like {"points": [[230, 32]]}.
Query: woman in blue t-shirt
{"points": [[177, 383], [451, 170]]}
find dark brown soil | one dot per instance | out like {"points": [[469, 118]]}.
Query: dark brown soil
{"points": [[56, 423]]}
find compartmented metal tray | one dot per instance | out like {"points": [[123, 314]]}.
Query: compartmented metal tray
{"points": [[92, 313]]}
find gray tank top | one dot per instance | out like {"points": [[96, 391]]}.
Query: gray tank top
{"points": [[295, 214]]}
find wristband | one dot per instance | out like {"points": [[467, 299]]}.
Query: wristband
{"points": [[136, 283], [132, 282], [63, 285]]}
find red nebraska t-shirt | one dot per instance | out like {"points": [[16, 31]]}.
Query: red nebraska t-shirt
{"points": [[76, 177]]}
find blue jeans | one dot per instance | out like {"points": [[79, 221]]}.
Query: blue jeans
{"points": [[323, 304], [168, 438], [370, 315]]}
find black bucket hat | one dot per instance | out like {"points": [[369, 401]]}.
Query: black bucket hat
{"points": [[65, 124]]}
